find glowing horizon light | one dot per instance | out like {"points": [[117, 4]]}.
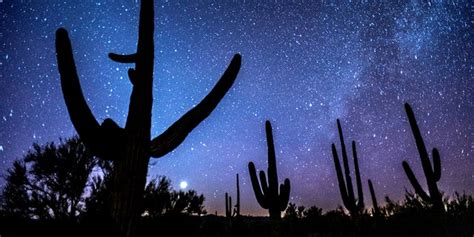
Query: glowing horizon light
{"points": [[183, 184]]}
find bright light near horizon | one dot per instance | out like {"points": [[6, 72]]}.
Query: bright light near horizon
{"points": [[183, 184]]}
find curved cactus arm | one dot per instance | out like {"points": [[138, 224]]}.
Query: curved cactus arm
{"points": [[340, 177], [263, 182], [284, 194], [436, 165], [97, 137], [261, 199], [420, 144], [176, 134], [414, 182], [360, 201], [123, 58]]}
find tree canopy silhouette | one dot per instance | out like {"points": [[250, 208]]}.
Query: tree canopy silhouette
{"points": [[50, 182]]}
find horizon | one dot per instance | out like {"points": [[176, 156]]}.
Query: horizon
{"points": [[303, 67]]}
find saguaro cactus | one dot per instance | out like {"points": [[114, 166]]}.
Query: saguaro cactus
{"points": [[131, 147], [374, 199], [267, 193], [432, 173], [237, 205], [228, 202], [228, 206], [345, 186]]}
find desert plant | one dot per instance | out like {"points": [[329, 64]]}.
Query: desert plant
{"points": [[228, 206], [132, 146], [228, 202], [376, 210], [353, 205], [432, 173], [50, 181], [15, 200], [267, 193]]}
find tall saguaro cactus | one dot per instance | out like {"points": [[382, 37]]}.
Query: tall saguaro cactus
{"points": [[131, 147], [432, 173], [267, 193], [345, 183]]}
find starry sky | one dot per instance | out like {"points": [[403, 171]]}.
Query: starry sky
{"points": [[305, 64]]}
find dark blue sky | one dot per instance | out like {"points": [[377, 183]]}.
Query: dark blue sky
{"points": [[304, 65]]}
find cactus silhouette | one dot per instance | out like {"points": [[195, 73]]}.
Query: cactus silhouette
{"points": [[228, 202], [228, 206], [131, 147], [432, 174], [267, 193], [237, 205], [354, 206], [374, 199]]}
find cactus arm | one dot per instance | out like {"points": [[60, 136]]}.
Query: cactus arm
{"points": [[284, 194], [347, 172], [126, 58], [261, 199], [436, 165], [360, 202], [176, 134], [97, 137], [374, 198], [414, 182], [340, 177], [263, 182], [420, 144]]}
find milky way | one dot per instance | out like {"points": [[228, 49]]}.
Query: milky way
{"points": [[304, 65]]}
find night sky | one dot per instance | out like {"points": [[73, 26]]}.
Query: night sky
{"points": [[304, 65]]}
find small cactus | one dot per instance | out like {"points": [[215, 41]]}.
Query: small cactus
{"points": [[228, 206], [237, 205], [228, 202], [267, 193], [354, 206], [432, 173]]}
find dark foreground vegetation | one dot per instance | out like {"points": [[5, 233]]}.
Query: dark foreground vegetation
{"points": [[411, 217], [64, 190]]}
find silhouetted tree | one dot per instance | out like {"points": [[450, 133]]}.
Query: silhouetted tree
{"points": [[160, 199], [132, 146], [51, 183], [15, 201], [157, 197]]}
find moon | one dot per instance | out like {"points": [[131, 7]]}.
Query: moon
{"points": [[183, 184]]}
